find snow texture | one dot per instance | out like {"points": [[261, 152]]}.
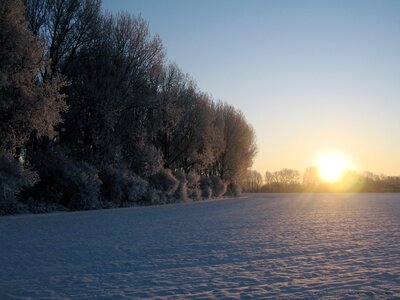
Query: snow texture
{"points": [[266, 245]]}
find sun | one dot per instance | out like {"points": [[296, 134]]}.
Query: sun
{"points": [[332, 165]]}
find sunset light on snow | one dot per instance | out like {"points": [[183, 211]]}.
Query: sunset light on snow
{"points": [[209, 149]]}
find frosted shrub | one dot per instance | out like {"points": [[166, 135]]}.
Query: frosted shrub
{"points": [[233, 190], [145, 159], [205, 187], [154, 197], [13, 178], [193, 182], [75, 185], [218, 187], [120, 185], [181, 193], [164, 181], [195, 194], [86, 186]]}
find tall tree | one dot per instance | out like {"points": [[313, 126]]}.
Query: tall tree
{"points": [[239, 144], [111, 90], [65, 26], [29, 103]]}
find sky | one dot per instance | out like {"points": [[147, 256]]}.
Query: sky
{"points": [[310, 76]]}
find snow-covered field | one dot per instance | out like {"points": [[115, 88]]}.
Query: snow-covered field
{"points": [[292, 246]]}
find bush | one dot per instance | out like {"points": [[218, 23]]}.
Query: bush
{"points": [[164, 181], [121, 185], [193, 181], [145, 159], [75, 185], [181, 193], [155, 197], [233, 190], [205, 187], [84, 181], [218, 187], [13, 178], [32, 206]]}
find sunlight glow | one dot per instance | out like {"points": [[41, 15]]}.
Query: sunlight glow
{"points": [[332, 165]]}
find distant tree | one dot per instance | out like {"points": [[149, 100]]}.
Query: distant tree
{"points": [[379, 183], [288, 177], [268, 177], [311, 178], [285, 180], [252, 182], [372, 182]]}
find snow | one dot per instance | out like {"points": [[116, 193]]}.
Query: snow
{"points": [[266, 245]]}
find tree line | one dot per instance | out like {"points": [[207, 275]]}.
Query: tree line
{"points": [[94, 115], [289, 180]]}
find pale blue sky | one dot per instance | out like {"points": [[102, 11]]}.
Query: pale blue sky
{"points": [[310, 76]]}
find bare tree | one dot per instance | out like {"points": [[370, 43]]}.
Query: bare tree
{"points": [[252, 182], [311, 178], [288, 176], [65, 26], [29, 103], [112, 91], [239, 144]]}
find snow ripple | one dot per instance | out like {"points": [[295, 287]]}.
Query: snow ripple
{"points": [[289, 246]]}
